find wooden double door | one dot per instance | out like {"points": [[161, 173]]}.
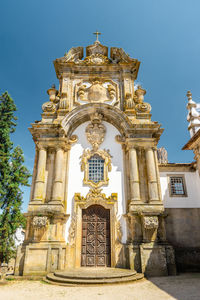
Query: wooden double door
{"points": [[95, 251]]}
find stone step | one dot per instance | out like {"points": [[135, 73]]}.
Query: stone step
{"points": [[90, 277]]}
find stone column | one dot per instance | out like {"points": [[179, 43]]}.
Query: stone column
{"points": [[40, 177], [151, 174], [157, 173], [134, 175], [58, 181]]}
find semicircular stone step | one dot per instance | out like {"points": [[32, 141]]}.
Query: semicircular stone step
{"points": [[92, 276]]}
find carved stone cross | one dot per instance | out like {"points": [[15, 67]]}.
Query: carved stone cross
{"points": [[97, 35]]}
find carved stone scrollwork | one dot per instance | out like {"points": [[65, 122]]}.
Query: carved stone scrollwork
{"points": [[74, 54], [40, 221], [95, 131], [73, 139], [95, 59], [49, 107], [95, 196], [72, 231], [119, 231], [143, 108], [118, 55]]}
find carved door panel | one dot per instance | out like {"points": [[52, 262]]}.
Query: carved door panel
{"points": [[95, 250]]}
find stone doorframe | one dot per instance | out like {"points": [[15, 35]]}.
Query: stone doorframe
{"points": [[95, 197]]}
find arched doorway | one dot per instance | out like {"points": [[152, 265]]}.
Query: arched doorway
{"points": [[95, 250]]}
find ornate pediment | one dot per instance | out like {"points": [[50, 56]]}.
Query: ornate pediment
{"points": [[95, 196], [97, 48], [118, 55], [73, 55]]}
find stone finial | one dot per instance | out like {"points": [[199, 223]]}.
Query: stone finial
{"points": [[52, 92], [193, 116], [189, 95], [140, 92]]}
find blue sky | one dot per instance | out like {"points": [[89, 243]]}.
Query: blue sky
{"points": [[163, 35]]}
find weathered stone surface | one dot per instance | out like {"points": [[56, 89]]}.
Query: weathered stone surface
{"points": [[96, 89]]}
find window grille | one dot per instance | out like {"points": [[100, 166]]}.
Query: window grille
{"points": [[96, 168], [177, 186]]}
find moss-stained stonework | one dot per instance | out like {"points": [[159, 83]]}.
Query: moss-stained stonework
{"points": [[95, 88]]}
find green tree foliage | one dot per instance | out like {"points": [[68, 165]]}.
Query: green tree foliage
{"points": [[13, 175]]}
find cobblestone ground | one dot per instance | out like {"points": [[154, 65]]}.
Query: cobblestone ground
{"points": [[182, 287]]}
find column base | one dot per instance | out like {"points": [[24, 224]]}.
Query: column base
{"points": [[152, 259], [40, 258]]}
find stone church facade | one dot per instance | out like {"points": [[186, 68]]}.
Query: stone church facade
{"points": [[98, 184]]}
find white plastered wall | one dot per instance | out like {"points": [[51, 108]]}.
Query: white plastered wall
{"points": [[192, 181], [116, 176]]}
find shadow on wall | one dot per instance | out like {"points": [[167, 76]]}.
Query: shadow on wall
{"points": [[182, 230]]}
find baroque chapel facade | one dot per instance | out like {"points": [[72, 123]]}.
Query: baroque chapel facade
{"points": [[97, 190]]}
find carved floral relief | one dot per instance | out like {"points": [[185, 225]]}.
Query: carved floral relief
{"points": [[40, 221]]}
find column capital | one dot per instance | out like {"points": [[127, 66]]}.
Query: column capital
{"points": [[40, 146], [134, 147], [148, 148]]}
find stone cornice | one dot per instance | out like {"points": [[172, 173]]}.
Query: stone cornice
{"points": [[110, 69], [191, 144], [177, 167]]}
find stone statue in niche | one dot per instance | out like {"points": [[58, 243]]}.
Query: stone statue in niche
{"points": [[162, 155], [129, 102], [98, 91]]}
